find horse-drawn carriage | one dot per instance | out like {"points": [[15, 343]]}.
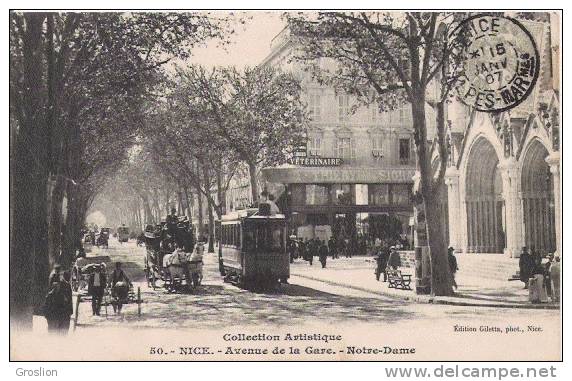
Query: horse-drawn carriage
{"points": [[172, 256], [122, 293], [123, 234], [102, 238]]}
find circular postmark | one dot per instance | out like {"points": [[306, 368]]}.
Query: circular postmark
{"points": [[498, 62]]}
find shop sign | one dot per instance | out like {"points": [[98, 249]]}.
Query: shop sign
{"points": [[316, 161]]}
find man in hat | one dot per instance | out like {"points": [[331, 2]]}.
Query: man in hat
{"points": [[96, 287], [381, 261], [452, 264], [394, 260]]}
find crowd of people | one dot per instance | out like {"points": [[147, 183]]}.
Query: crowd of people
{"points": [[309, 248], [547, 274]]}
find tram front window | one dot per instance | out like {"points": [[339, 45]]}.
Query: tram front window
{"points": [[267, 238]]}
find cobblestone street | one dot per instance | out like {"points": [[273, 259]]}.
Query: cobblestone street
{"points": [[216, 303]]}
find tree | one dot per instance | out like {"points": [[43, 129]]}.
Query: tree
{"points": [[62, 66], [257, 113], [403, 57], [184, 147]]}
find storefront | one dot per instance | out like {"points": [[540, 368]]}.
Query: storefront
{"points": [[361, 203]]}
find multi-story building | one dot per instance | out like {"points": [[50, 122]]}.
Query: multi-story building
{"points": [[357, 165], [502, 185]]}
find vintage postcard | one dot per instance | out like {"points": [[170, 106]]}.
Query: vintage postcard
{"points": [[364, 185]]}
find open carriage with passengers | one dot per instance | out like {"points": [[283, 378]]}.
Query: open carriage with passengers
{"points": [[172, 256], [254, 252]]}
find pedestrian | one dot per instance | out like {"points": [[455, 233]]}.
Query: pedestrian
{"points": [[348, 245], [119, 287], [537, 267], [381, 261], [312, 250], [341, 246], [323, 253], [526, 266], [96, 288], [394, 260], [58, 305], [555, 278], [291, 245], [452, 265], [546, 273], [332, 247], [302, 249]]}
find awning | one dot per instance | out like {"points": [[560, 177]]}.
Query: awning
{"points": [[344, 175]]}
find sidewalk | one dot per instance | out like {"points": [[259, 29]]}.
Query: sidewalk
{"points": [[358, 273]]}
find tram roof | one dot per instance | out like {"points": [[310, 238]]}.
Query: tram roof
{"points": [[251, 214]]}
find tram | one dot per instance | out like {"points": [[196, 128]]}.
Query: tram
{"points": [[253, 245]]}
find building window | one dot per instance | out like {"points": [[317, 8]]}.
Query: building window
{"points": [[342, 194], [400, 194], [315, 107], [317, 194], [345, 148], [343, 108], [315, 146], [377, 146], [378, 194], [404, 151]]}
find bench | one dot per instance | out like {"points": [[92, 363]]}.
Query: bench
{"points": [[398, 280]]}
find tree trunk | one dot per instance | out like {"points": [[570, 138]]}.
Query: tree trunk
{"points": [[22, 258], [147, 210], [253, 182], [441, 280], [27, 176], [211, 228], [72, 220], [440, 273], [188, 203], [56, 220], [200, 214]]}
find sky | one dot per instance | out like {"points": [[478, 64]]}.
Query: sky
{"points": [[249, 45]]}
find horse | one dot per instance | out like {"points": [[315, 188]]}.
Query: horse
{"points": [[176, 267]]}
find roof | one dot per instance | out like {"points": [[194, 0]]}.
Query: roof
{"points": [[273, 217], [250, 214]]}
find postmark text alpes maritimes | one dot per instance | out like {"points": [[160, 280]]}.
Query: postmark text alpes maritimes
{"points": [[499, 62]]}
